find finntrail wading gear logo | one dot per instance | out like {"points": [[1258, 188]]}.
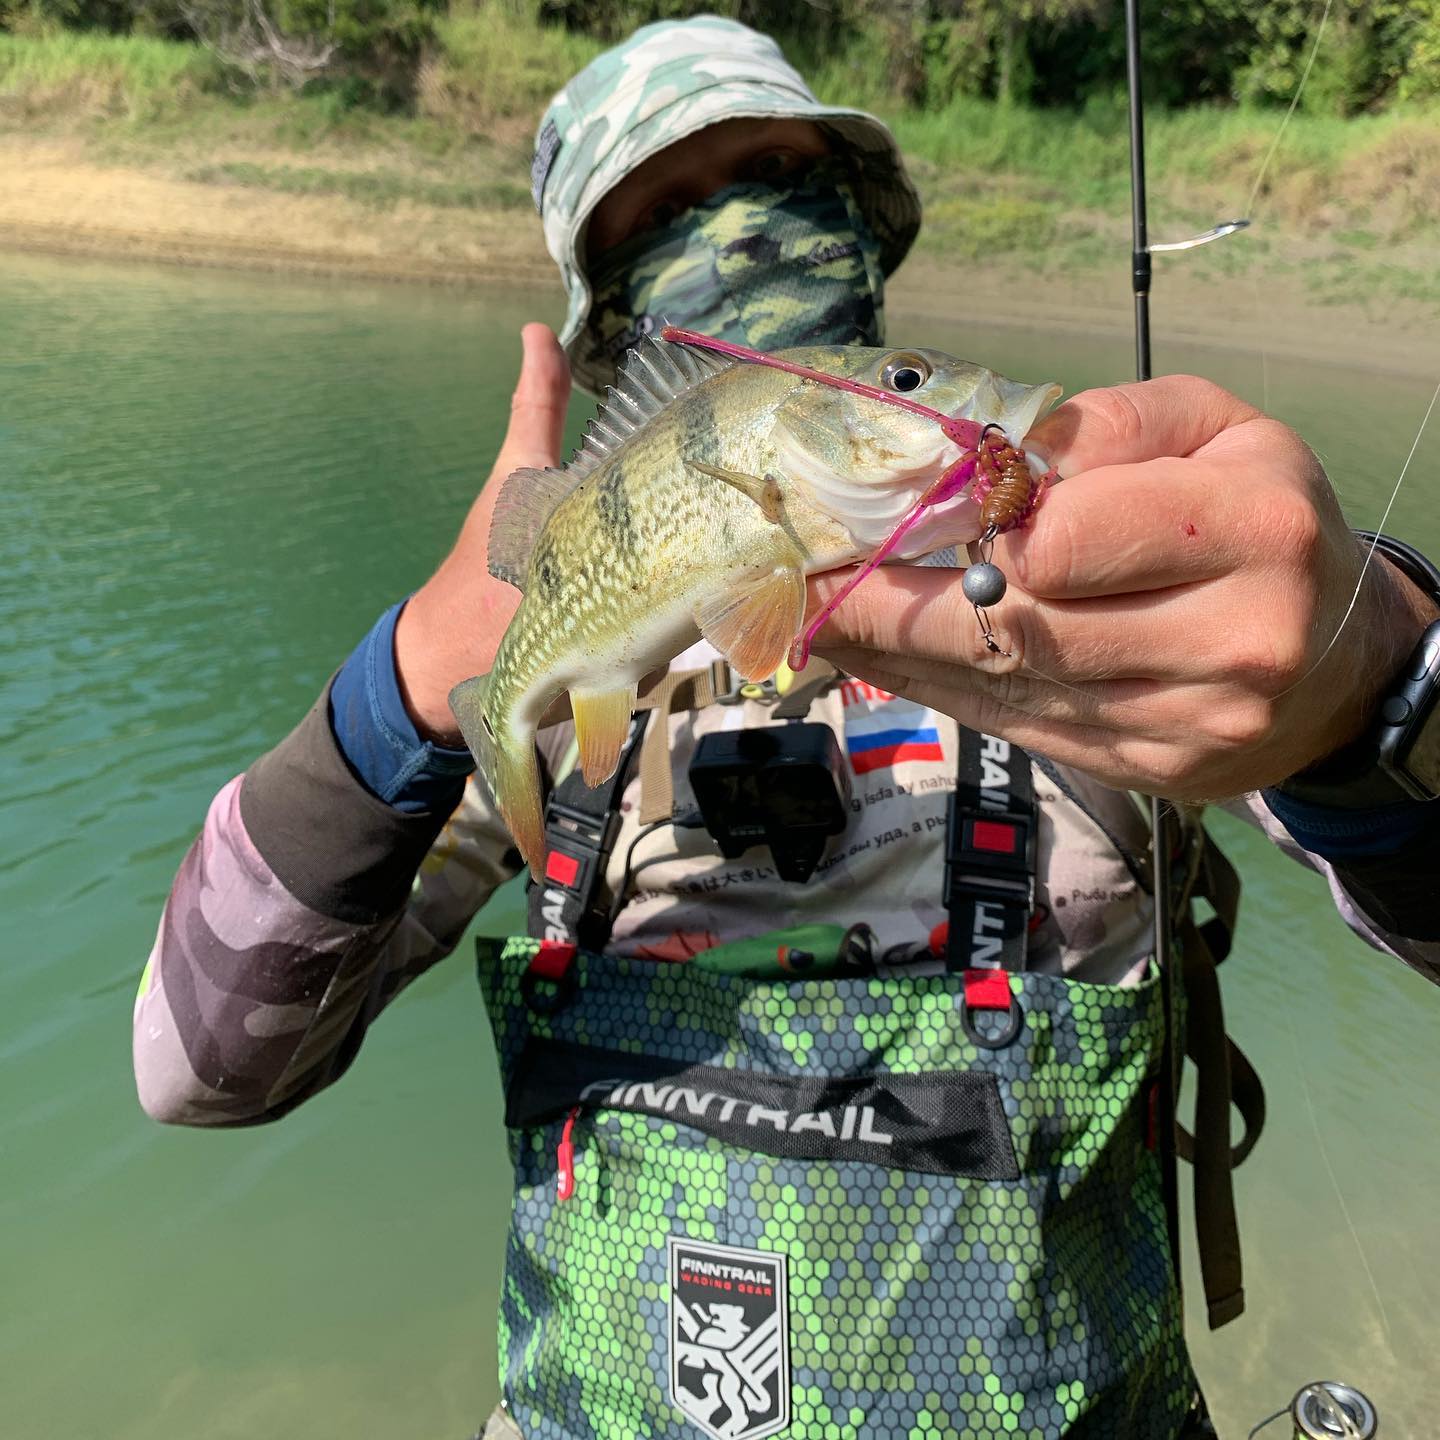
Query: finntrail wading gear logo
{"points": [[729, 1339]]}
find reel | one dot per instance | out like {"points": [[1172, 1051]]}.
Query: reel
{"points": [[1327, 1410]]}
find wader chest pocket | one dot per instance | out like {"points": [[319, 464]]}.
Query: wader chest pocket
{"points": [[940, 1123], [818, 1210]]}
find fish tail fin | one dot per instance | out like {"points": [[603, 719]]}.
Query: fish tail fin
{"points": [[508, 767]]}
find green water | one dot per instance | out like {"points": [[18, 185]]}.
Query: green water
{"points": [[211, 484]]}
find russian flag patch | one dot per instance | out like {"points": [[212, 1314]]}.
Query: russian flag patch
{"points": [[874, 749]]}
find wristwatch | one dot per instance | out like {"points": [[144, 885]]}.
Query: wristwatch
{"points": [[1398, 759]]}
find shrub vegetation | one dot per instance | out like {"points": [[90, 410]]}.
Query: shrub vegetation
{"points": [[1012, 112]]}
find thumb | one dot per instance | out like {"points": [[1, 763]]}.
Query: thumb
{"points": [[1176, 415], [537, 409]]}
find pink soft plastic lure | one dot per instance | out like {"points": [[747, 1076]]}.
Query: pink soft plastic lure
{"points": [[984, 451]]}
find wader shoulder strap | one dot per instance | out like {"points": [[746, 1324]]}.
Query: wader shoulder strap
{"points": [[677, 690], [1218, 883], [990, 837], [1217, 1229], [1223, 1078], [567, 903]]}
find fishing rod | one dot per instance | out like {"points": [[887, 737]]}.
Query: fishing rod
{"points": [[1325, 1408], [1141, 249], [1140, 272]]}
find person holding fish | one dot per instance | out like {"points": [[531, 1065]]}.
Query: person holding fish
{"points": [[838, 1067]]}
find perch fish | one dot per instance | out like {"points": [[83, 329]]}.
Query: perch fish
{"points": [[704, 493]]}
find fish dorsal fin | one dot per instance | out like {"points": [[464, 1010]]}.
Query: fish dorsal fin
{"points": [[527, 500], [654, 373]]}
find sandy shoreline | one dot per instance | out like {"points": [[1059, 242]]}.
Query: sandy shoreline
{"points": [[55, 198]]}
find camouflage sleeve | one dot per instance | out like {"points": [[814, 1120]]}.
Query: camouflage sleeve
{"points": [[303, 908], [1388, 901]]}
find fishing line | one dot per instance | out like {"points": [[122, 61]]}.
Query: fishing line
{"points": [[1265, 358], [1334, 1180], [1370, 553], [1129, 707], [1294, 101]]}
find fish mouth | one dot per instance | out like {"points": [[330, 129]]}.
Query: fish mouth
{"points": [[957, 519], [1029, 403]]}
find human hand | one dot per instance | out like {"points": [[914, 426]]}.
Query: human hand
{"points": [[452, 626], [1171, 609]]}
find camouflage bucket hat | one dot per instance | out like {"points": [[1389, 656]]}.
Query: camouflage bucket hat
{"points": [[665, 82]]}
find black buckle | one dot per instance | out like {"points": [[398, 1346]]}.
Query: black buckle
{"points": [[990, 855], [577, 837], [583, 825]]}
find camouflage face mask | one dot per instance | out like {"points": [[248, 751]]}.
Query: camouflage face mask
{"points": [[760, 264]]}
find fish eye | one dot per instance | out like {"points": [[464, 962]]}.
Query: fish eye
{"points": [[904, 373]]}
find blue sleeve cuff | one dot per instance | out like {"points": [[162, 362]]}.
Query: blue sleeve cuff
{"points": [[378, 738], [1339, 835]]}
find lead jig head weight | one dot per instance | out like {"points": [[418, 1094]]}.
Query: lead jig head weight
{"points": [[984, 585]]}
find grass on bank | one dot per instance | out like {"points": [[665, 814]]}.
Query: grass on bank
{"points": [[376, 188], [1355, 200], [87, 77]]}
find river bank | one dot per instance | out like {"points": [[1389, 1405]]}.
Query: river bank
{"points": [[376, 215], [129, 147]]}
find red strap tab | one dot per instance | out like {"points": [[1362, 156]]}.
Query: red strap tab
{"points": [[552, 959], [993, 835], [565, 1158], [987, 989], [561, 868]]}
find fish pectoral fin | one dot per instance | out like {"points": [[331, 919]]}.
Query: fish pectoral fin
{"points": [[752, 626], [602, 721], [763, 490]]}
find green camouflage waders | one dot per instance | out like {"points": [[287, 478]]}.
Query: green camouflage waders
{"points": [[985, 1254], [831, 1207], [819, 1208]]}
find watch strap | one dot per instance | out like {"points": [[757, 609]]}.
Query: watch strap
{"points": [[1361, 777], [1417, 568]]}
